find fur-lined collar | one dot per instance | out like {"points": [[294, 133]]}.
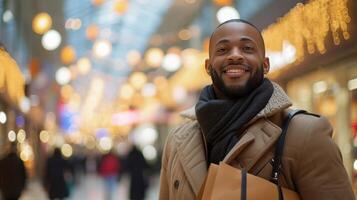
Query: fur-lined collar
{"points": [[277, 102]]}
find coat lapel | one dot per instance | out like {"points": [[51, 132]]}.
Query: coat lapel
{"points": [[191, 154], [257, 140]]}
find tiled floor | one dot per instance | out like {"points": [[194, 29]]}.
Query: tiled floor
{"points": [[91, 187]]}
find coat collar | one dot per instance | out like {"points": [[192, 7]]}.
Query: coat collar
{"points": [[257, 140], [277, 102]]}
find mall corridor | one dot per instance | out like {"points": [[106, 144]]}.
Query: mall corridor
{"points": [[91, 187]]}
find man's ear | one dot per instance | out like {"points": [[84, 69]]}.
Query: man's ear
{"points": [[266, 65], [207, 67]]}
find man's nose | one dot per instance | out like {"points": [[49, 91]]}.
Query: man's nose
{"points": [[235, 55]]}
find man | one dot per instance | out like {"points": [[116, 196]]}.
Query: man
{"points": [[238, 120], [12, 175]]}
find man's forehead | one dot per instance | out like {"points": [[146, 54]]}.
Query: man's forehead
{"points": [[236, 28]]}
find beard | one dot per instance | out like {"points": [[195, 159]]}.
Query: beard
{"points": [[236, 92]]}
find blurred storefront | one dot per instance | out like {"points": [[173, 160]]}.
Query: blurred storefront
{"points": [[317, 65]]}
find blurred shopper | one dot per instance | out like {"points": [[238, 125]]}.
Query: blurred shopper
{"points": [[137, 167], [56, 175], [109, 168], [12, 174], [238, 119]]}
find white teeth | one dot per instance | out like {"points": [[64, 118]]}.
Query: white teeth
{"points": [[235, 71]]}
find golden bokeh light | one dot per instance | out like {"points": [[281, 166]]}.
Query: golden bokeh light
{"points": [[92, 32], [41, 23], [68, 54], [223, 2], [154, 56], [121, 6], [126, 92], [138, 80], [44, 136], [84, 65]]}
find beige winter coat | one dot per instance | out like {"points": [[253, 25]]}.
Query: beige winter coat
{"points": [[312, 163]]}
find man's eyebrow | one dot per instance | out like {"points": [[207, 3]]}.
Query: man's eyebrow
{"points": [[248, 39], [222, 41]]}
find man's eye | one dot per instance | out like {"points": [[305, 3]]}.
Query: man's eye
{"points": [[248, 48], [221, 50]]}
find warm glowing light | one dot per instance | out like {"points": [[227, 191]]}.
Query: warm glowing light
{"points": [[319, 87], [21, 136], [26, 152], [223, 2], [67, 150], [185, 34], [171, 62], [138, 80], [97, 2], [149, 90], [190, 58], [68, 55], [352, 84], [41, 23], [226, 13], [25, 104], [150, 152], [11, 136], [314, 23], [153, 57], [44, 136], [51, 40], [145, 134], [92, 32], [66, 92], [133, 57], [105, 143], [102, 48], [84, 65], [179, 94], [121, 6], [3, 117], [279, 59], [126, 91], [73, 24], [63, 76]]}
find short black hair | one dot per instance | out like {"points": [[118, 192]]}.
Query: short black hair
{"points": [[245, 22]]}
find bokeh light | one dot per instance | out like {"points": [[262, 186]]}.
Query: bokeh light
{"points": [[102, 48], [11, 136], [41, 23], [3, 117], [51, 40], [63, 76], [153, 57], [226, 13], [67, 150], [44, 136]]}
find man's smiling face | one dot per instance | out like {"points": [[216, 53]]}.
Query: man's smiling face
{"points": [[236, 60]]}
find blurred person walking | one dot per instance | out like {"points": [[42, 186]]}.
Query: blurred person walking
{"points": [[12, 174], [109, 167], [239, 118], [56, 175], [137, 167]]}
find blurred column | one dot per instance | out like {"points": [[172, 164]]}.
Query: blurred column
{"points": [[343, 137]]}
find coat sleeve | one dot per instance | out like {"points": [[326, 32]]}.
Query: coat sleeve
{"points": [[321, 173], [164, 192]]}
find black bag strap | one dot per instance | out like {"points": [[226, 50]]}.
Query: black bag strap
{"points": [[243, 194], [279, 150]]}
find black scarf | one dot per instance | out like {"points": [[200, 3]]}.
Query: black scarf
{"points": [[221, 120]]}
